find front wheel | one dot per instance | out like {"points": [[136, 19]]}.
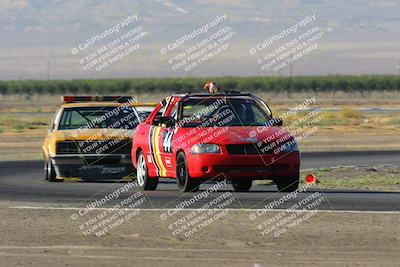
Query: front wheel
{"points": [[143, 179], [183, 179], [287, 184], [49, 172]]}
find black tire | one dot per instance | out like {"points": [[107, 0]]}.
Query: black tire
{"points": [[242, 185], [49, 172], [183, 179], [144, 181], [287, 184]]}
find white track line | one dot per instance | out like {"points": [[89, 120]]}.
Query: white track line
{"points": [[233, 210]]}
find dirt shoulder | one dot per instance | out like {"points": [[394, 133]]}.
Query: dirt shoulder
{"points": [[384, 178], [40, 237]]}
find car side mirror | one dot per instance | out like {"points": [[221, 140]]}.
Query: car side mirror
{"points": [[167, 120], [278, 122]]}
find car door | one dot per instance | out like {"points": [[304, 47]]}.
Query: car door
{"points": [[53, 126], [165, 140], [148, 140], [157, 132]]}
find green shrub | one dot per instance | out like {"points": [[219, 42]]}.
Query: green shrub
{"points": [[350, 113], [362, 83], [19, 126]]}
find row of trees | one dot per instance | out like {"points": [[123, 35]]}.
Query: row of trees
{"points": [[148, 85]]}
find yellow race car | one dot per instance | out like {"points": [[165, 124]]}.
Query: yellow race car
{"points": [[91, 138], [144, 109]]}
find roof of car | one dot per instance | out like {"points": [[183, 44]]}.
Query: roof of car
{"points": [[90, 104], [144, 108], [221, 93], [104, 104]]}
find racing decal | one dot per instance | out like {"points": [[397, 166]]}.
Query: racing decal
{"points": [[151, 134], [166, 102], [168, 161], [157, 150], [163, 102], [167, 141]]}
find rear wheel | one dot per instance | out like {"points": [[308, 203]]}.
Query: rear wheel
{"points": [[183, 179], [242, 185], [287, 184], [49, 172], [143, 179]]}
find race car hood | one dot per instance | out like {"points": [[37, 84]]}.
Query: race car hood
{"points": [[243, 135], [92, 134]]}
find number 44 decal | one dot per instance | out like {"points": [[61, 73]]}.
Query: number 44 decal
{"points": [[167, 142]]}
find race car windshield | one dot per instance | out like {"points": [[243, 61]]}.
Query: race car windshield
{"points": [[98, 117], [221, 112]]}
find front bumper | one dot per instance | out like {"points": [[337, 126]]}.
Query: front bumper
{"points": [[94, 166], [255, 167]]}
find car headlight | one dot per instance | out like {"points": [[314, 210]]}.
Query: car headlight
{"points": [[289, 146], [205, 149]]}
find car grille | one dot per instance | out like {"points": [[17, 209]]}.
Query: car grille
{"points": [[235, 169], [94, 147], [251, 168], [248, 149]]}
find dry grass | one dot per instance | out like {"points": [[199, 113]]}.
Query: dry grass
{"points": [[350, 113], [25, 119], [18, 124], [371, 178]]}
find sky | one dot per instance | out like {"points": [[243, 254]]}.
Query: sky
{"points": [[47, 39]]}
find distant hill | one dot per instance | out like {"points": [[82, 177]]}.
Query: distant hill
{"points": [[363, 36]]}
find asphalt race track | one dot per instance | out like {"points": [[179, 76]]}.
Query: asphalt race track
{"points": [[22, 184]]}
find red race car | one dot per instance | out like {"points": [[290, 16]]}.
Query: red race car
{"points": [[196, 137]]}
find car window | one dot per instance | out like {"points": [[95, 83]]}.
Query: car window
{"points": [[221, 112], [161, 111], [98, 117], [53, 124], [174, 111]]}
